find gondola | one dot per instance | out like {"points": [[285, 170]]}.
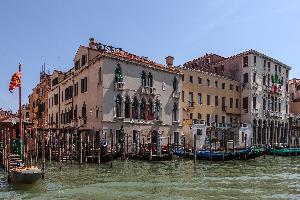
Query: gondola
{"points": [[249, 153], [215, 155], [284, 152]]}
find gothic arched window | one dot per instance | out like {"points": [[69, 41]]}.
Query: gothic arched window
{"points": [[157, 109], [135, 106], [150, 79], [127, 107], [150, 110], [119, 106], [143, 109], [143, 78]]}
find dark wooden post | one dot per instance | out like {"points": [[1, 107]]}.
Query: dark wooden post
{"points": [[195, 151], [80, 148], [111, 147]]}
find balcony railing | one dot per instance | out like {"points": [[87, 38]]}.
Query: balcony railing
{"points": [[146, 90], [119, 85], [176, 94]]}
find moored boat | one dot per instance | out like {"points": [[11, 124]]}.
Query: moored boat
{"points": [[215, 155], [249, 153], [284, 152], [25, 175]]}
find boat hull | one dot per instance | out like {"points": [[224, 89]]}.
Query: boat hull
{"points": [[21, 177], [215, 156]]}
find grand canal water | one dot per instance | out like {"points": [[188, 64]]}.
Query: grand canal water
{"points": [[267, 178]]}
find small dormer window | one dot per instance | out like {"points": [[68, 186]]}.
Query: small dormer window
{"points": [[77, 64], [83, 60]]}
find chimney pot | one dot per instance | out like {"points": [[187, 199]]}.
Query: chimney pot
{"points": [[92, 43], [169, 61]]}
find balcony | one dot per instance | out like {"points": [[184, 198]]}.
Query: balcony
{"points": [[119, 85], [176, 94], [254, 69], [267, 88], [254, 86], [146, 90], [199, 121]]}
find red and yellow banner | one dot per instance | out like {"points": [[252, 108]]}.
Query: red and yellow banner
{"points": [[15, 81]]}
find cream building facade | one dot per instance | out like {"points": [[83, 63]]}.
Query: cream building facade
{"points": [[211, 107], [109, 90]]}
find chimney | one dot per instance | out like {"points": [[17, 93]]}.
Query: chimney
{"points": [[92, 43], [169, 61]]}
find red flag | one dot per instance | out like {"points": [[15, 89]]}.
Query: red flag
{"points": [[15, 81]]}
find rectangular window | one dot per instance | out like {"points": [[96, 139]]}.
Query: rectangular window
{"points": [[216, 84], [216, 119], [223, 102], [199, 116], [223, 86], [245, 104], [208, 82], [199, 98], [254, 60], [254, 77], [279, 69], [216, 100], [269, 66], [191, 115], [183, 78], [191, 99], [199, 80], [237, 103], [264, 80], [245, 61], [275, 68], [237, 88], [231, 102], [191, 79], [208, 118], [265, 64], [223, 119], [231, 87], [254, 102], [264, 104], [182, 96], [83, 60], [208, 100], [245, 79]]}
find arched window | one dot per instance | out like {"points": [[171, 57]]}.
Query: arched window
{"points": [[150, 110], [119, 106], [150, 80], [135, 106], [175, 84], [143, 78], [143, 109], [118, 74], [175, 112], [127, 107], [157, 109]]}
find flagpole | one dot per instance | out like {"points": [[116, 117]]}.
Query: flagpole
{"points": [[20, 114]]}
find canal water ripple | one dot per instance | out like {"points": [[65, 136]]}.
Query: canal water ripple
{"points": [[264, 178]]}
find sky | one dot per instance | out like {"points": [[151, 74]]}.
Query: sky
{"points": [[34, 32]]}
